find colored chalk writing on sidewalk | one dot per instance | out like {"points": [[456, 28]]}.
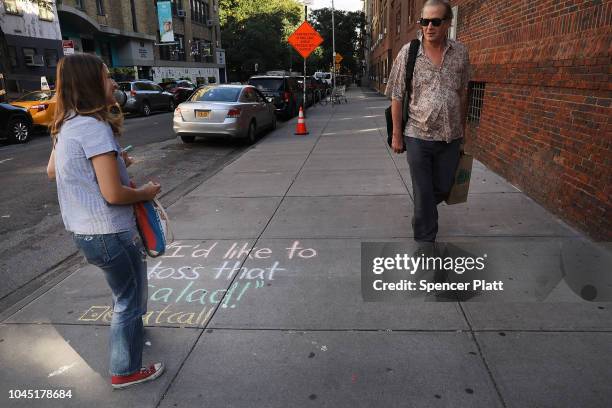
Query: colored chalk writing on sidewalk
{"points": [[186, 286]]}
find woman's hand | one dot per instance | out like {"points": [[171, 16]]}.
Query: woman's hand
{"points": [[127, 159], [150, 190], [107, 173]]}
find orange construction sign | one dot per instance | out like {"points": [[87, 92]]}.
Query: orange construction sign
{"points": [[305, 39]]}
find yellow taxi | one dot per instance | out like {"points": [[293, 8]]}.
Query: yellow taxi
{"points": [[40, 104]]}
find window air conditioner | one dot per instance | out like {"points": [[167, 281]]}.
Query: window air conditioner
{"points": [[34, 60], [180, 13]]}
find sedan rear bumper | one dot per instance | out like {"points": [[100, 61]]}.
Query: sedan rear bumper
{"points": [[229, 128]]}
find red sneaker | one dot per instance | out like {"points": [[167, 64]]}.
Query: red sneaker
{"points": [[145, 374]]}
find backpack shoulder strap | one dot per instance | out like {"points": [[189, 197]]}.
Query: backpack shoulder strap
{"points": [[411, 61]]}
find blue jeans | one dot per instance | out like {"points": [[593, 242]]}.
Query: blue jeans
{"points": [[122, 258]]}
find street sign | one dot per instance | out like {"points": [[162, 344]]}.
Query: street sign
{"points": [[305, 39], [68, 46], [339, 58]]}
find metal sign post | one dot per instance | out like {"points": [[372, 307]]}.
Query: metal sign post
{"points": [[305, 40], [333, 52], [304, 87]]}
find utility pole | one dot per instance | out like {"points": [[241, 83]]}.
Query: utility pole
{"points": [[333, 51]]}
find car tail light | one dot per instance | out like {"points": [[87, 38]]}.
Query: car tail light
{"points": [[132, 93], [177, 112], [286, 96], [233, 113], [39, 108]]}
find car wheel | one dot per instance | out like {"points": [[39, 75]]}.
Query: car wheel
{"points": [[146, 109], [19, 130], [251, 133], [188, 139], [171, 105]]}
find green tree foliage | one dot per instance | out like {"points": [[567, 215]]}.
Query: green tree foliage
{"points": [[255, 32], [349, 32]]}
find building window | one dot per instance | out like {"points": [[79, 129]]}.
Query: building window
{"points": [[476, 91], [176, 5], [452, 30], [193, 6], [195, 50], [206, 51], [80, 4], [106, 54], [10, 7], [100, 7], [12, 53], [134, 20], [398, 21], [178, 51], [28, 52], [199, 11], [411, 16], [165, 52], [51, 58], [45, 10]]}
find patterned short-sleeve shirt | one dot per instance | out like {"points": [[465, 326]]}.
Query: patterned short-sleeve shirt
{"points": [[435, 103]]}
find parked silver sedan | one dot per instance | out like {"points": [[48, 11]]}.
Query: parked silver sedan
{"points": [[232, 111]]}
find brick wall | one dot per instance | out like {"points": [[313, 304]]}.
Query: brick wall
{"points": [[545, 124]]}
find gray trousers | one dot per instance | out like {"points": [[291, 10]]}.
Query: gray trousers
{"points": [[432, 171]]}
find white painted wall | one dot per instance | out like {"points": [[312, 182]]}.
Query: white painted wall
{"points": [[179, 72], [28, 24]]}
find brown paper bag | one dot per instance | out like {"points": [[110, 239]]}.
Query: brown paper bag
{"points": [[461, 187]]}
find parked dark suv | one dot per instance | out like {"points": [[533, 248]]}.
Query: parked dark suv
{"points": [[181, 89], [145, 96], [15, 123], [284, 91]]}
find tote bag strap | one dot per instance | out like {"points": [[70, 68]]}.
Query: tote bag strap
{"points": [[169, 232]]}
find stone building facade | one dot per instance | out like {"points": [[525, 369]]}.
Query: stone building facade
{"points": [[30, 43], [125, 33]]}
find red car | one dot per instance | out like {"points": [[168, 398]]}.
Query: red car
{"points": [[181, 89]]}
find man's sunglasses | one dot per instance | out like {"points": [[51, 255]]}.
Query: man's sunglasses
{"points": [[435, 21]]}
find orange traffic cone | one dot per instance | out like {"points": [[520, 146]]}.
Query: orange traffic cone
{"points": [[301, 125]]}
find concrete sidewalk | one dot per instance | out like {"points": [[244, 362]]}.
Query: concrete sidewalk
{"points": [[258, 302]]}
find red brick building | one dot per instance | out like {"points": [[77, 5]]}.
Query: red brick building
{"points": [[540, 111]]}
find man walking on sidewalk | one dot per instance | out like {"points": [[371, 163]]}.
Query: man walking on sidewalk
{"points": [[437, 111]]}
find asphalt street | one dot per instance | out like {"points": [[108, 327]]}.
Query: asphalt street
{"points": [[34, 241]]}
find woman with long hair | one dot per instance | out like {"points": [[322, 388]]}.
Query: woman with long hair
{"points": [[96, 200]]}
